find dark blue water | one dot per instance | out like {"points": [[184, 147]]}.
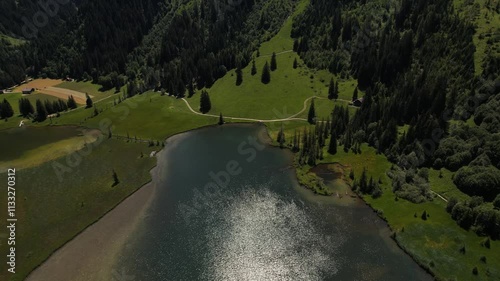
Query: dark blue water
{"points": [[227, 207]]}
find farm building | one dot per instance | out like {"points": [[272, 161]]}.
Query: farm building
{"points": [[27, 91], [358, 102]]}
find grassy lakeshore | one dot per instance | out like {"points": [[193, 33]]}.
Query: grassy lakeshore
{"points": [[434, 243], [52, 209]]}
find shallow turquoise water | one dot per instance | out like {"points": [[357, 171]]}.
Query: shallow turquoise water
{"points": [[229, 208]]}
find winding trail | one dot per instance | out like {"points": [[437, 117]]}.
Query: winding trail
{"points": [[439, 195], [291, 118], [280, 53]]}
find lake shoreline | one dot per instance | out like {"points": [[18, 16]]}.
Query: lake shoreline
{"points": [[118, 220]]}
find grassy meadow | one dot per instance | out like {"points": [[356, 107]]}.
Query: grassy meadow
{"points": [[87, 87], [51, 209], [284, 96], [13, 99]]}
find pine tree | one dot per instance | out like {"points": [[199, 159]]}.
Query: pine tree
{"points": [[363, 181], [311, 117], [355, 94], [295, 145], [89, 101], [295, 63], [6, 110], [221, 119], [332, 148], [424, 215], [239, 76], [274, 65], [71, 102], [25, 107], [336, 90], [205, 104], [116, 181], [266, 74], [41, 113], [254, 68], [48, 107], [281, 137], [331, 90]]}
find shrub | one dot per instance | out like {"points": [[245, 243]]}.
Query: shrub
{"points": [[479, 180]]}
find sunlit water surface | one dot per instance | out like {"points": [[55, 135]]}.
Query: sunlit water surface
{"points": [[260, 226]]}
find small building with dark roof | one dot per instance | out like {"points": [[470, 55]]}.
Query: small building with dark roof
{"points": [[358, 102], [28, 91]]}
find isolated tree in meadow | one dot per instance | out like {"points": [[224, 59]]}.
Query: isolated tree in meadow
{"points": [[274, 65], [295, 63], [332, 148], [41, 113], [266, 74], [221, 119], [116, 181], [89, 101], [205, 104], [239, 76], [71, 102], [355, 94], [424, 215], [311, 116], [254, 68]]}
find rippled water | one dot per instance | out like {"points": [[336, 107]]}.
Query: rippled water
{"points": [[262, 237], [257, 225]]}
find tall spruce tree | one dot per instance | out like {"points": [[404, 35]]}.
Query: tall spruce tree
{"points": [[239, 76], [295, 63], [89, 101], [41, 113], [116, 181], [332, 90], [221, 119], [332, 148], [6, 110], [274, 65], [205, 104], [281, 137], [254, 68], [311, 116], [355, 94], [71, 102], [266, 74], [25, 107]]}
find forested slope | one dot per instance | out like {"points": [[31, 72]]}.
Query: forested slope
{"points": [[415, 59]]}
